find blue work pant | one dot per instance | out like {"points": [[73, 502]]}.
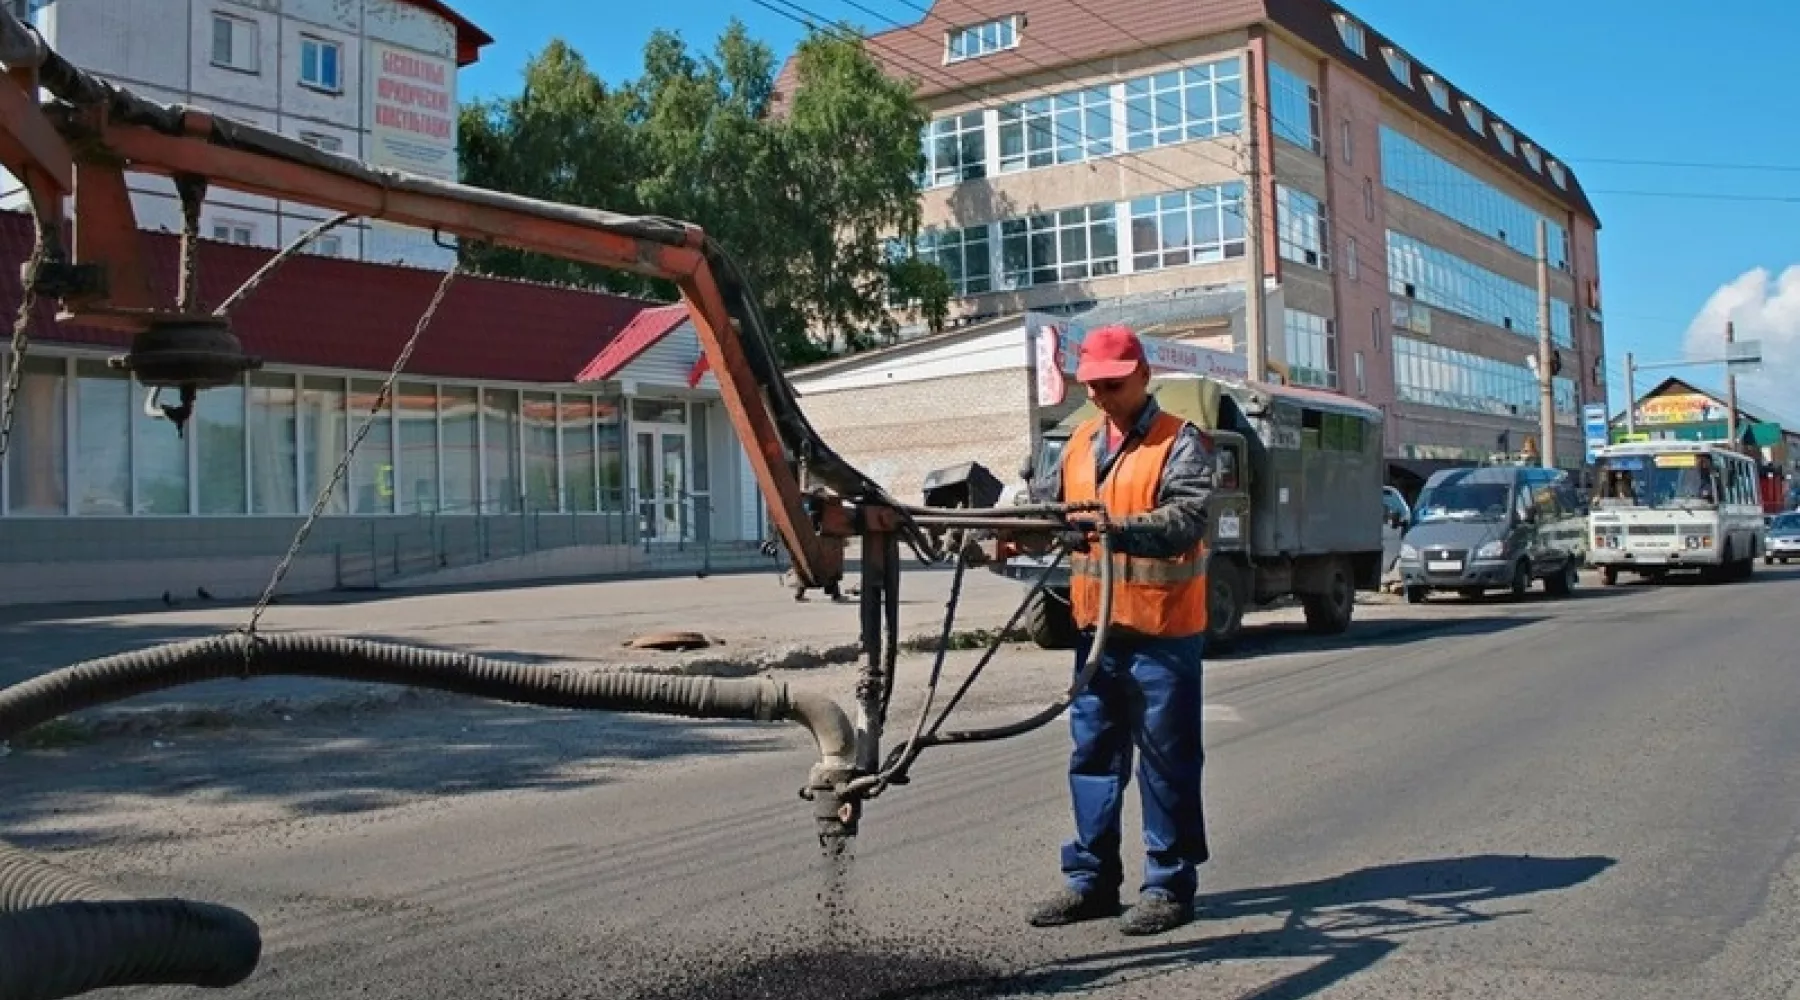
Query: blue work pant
{"points": [[1146, 695]]}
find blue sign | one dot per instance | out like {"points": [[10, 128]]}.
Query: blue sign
{"points": [[1596, 427]]}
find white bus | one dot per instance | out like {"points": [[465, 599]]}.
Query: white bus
{"points": [[1661, 506]]}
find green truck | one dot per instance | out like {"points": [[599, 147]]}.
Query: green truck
{"points": [[1297, 507]]}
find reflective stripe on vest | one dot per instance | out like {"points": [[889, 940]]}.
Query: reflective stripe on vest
{"points": [[1160, 597]]}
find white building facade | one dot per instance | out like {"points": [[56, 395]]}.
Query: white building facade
{"points": [[371, 79]]}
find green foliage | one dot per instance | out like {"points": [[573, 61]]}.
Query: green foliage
{"points": [[803, 196]]}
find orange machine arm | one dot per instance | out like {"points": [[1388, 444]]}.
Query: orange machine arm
{"points": [[82, 144]]}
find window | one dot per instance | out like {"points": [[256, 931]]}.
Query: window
{"points": [[1197, 102], [321, 64], [234, 232], [1434, 375], [1301, 231], [1294, 109], [102, 459], [1557, 176], [964, 255], [1505, 135], [1440, 94], [1344, 140], [1352, 34], [1201, 226], [981, 39], [234, 43], [1532, 156], [1375, 327], [324, 431], [1311, 349], [37, 453], [1473, 116], [1418, 270], [329, 246], [1411, 169], [1064, 128], [1053, 247], [1398, 64], [1368, 199], [1350, 263], [323, 142], [955, 150], [1362, 384], [274, 454], [371, 472]]}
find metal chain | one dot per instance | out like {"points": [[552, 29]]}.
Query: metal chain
{"points": [[337, 475], [21, 332], [306, 239], [193, 197]]}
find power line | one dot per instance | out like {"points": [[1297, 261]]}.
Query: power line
{"points": [[1780, 168], [1765, 199]]}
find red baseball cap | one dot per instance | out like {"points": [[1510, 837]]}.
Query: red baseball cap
{"points": [[1109, 352]]}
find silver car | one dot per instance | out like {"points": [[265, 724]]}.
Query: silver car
{"points": [[1782, 538]]}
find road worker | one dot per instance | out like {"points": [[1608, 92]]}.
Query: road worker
{"points": [[1152, 471]]}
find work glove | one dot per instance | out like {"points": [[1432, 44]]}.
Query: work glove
{"points": [[1073, 539]]}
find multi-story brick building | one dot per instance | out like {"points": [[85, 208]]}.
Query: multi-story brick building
{"points": [[1090, 158]]}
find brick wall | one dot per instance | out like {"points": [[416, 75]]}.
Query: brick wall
{"points": [[896, 434]]}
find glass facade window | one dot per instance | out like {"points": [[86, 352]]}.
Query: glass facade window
{"points": [[324, 431], [1415, 172], [543, 486], [575, 425], [1302, 233], [460, 431], [1418, 270], [500, 446], [1068, 245], [372, 467], [981, 39], [1294, 109], [1182, 105], [610, 439], [965, 255], [37, 483], [955, 149], [416, 485], [1434, 375], [1062, 128], [1311, 349], [102, 440], [1200, 226], [220, 443], [274, 444]]}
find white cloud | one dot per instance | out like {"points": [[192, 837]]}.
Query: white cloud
{"points": [[1761, 307]]}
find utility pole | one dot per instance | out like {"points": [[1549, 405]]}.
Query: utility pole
{"points": [[1256, 348], [1731, 427], [1546, 351], [1630, 393]]}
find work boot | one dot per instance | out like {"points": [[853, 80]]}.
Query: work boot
{"points": [[1070, 906], [1155, 913]]}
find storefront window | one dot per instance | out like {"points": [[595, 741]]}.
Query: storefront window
{"points": [[35, 453], [160, 459], [217, 428], [417, 408], [102, 440], [372, 467], [462, 459], [322, 413], [542, 490], [500, 422], [610, 436], [579, 473], [274, 451]]}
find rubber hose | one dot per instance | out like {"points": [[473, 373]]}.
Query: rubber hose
{"points": [[115, 678], [61, 936]]}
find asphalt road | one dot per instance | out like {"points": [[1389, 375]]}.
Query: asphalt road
{"points": [[1581, 799]]}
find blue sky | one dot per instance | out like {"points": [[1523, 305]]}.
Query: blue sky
{"points": [[1594, 81]]}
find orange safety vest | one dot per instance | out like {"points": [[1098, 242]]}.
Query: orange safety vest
{"points": [[1153, 597]]}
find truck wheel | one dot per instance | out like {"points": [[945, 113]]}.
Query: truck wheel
{"points": [[1329, 613], [1563, 583], [1521, 581], [1609, 576], [1224, 607], [1049, 623], [1415, 595]]}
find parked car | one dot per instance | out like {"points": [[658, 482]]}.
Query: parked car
{"points": [[1397, 515], [1494, 528], [1783, 538]]}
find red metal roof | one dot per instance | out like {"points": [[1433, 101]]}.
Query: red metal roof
{"points": [[469, 38], [644, 330], [334, 313]]}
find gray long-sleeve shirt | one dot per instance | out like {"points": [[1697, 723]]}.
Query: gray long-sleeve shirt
{"points": [[1178, 522]]}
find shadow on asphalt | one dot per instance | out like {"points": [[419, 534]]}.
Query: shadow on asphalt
{"points": [[1341, 925]]}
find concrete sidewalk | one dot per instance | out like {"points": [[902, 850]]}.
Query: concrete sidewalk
{"points": [[753, 619]]}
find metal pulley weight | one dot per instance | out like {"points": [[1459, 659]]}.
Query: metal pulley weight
{"points": [[186, 352]]}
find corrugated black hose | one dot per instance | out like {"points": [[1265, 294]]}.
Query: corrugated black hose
{"points": [[61, 936]]}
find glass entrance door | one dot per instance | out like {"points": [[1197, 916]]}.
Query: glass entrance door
{"points": [[662, 462]]}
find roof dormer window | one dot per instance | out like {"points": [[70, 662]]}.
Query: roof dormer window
{"points": [[1472, 114], [1532, 156], [979, 40], [1398, 64], [1557, 176], [1440, 94], [1352, 34], [1505, 135]]}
